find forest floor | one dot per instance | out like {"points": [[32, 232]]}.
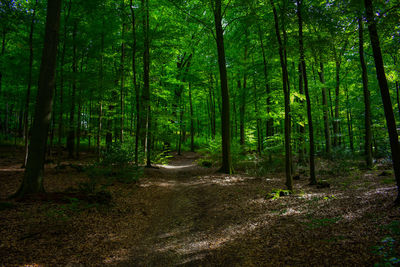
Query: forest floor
{"points": [[184, 214]]}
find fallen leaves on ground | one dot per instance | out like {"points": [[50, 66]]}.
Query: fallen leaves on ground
{"points": [[184, 214]]}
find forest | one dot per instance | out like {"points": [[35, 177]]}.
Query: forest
{"points": [[199, 133]]}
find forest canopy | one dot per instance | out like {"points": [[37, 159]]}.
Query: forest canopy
{"points": [[297, 79]]}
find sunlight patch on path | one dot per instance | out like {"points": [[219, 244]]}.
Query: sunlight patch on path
{"points": [[204, 241], [177, 167]]}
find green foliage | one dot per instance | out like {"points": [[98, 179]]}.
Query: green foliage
{"points": [[115, 165], [388, 249], [388, 181], [204, 162], [118, 154], [277, 193], [162, 157]]}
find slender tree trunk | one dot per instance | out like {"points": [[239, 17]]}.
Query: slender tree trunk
{"points": [[270, 122], [61, 114], [146, 79], [336, 132], [313, 179], [398, 97], [79, 122], [289, 181], [325, 110], [99, 126], [71, 132], [383, 85], [33, 178], [191, 119], [242, 108], [212, 107], [302, 132], [258, 122], [122, 83], [135, 85], [367, 101], [28, 91], [180, 119], [225, 117], [349, 121], [3, 49]]}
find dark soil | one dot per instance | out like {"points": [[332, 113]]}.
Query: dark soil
{"points": [[184, 214]]}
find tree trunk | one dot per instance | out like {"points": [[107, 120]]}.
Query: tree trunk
{"points": [[212, 107], [99, 125], [146, 79], [325, 110], [122, 83], [350, 121], [336, 132], [79, 121], [302, 132], [383, 85], [269, 122], [71, 132], [28, 91], [367, 101], [33, 178], [313, 179], [258, 122], [288, 167], [225, 117], [135, 85], [191, 119], [61, 113], [242, 108], [3, 48]]}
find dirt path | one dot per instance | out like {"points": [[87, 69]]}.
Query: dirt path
{"points": [[199, 217], [185, 215]]}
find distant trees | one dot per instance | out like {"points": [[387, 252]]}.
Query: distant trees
{"points": [[203, 77]]}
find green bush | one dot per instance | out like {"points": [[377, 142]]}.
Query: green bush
{"points": [[388, 249]]}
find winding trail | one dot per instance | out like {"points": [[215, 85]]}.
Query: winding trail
{"points": [[194, 212], [195, 216], [181, 214]]}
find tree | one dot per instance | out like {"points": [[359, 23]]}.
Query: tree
{"points": [[367, 101], [384, 89], [313, 180], [225, 117], [286, 92], [33, 177]]}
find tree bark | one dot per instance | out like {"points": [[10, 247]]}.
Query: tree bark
{"points": [[325, 108], [71, 132], [313, 179], [33, 177], [191, 119], [135, 85], [387, 102], [288, 167], [146, 80], [242, 109], [336, 132], [367, 101], [225, 117], [122, 84], [28, 90]]}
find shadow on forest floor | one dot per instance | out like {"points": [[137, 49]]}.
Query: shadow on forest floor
{"points": [[184, 214]]}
